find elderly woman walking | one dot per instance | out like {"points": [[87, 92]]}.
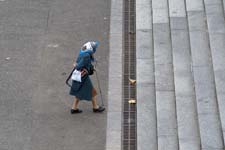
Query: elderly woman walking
{"points": [[84, 90]]}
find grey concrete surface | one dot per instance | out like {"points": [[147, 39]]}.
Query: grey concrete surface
{"points": [[164, 83], [162, 44], [193, 5], [210, 132], [187, 120], [41, 38], [146, 106], [114, 114], [176, 8], [216, 26]]}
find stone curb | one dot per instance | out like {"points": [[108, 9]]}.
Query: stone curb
{"points": [[114, 114]]}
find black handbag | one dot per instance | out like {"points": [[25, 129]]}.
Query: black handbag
{"points": [[92, 69]]}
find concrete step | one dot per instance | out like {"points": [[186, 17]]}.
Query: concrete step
{"points": [[146, 107], [208, 114], [164, 84], [224, 6], [187, 118], [216, 29]]}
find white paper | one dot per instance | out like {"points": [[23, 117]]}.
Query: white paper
{"points": [[76, 76]]}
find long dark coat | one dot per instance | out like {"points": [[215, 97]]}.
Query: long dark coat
{"points": [[83, 90]]}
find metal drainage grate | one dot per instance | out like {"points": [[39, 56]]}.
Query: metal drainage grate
{"points": [[129, 71]]}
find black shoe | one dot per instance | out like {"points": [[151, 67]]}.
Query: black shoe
{"points": [[98, 110], [75, 111]]}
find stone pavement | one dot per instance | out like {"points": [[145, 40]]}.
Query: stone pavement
{"points": [[180, 60]]}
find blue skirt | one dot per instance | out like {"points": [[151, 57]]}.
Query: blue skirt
{"points": [[83, 90]]}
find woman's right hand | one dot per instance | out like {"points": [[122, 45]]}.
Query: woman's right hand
{"points": [[84, 72]]}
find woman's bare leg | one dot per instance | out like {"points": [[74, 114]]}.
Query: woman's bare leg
{"points": [[96, 108], [94, 102], [75, 103]]}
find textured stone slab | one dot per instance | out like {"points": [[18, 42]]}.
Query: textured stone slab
{"points": [[166, 114], [144, 46], [141, 2], [183, 83], [146, 110], [224, 5], [210, 126], [214, 9], [162, 44], [178, 23], [210, 2], [217, 44], [203, 75], [114, 114], [145, 71], [187, 121], [187, 118], [143, 16], [187, 144], [146, 117], [220, 81], [216, 24], [115, 121], [164, 77], [160, 16], [221, 104], [116, 28], [159, 4], [166, 121], [215, 17], [167, 143], [115, 40], [204, 81], [200, 48], [181, 50], [211, 132], [220, 89], [115, 4], [113, 140], [186, 109], [115, 101], [194, 5], [177, 8], [180, 42], [197, 21]]}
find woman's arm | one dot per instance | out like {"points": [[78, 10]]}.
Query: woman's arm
{"points": [[83, 62]]}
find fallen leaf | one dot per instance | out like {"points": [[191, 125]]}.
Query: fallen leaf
{"points": [[132, 101]]}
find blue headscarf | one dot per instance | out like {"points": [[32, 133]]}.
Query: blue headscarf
{"points": [[90, 48]]}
